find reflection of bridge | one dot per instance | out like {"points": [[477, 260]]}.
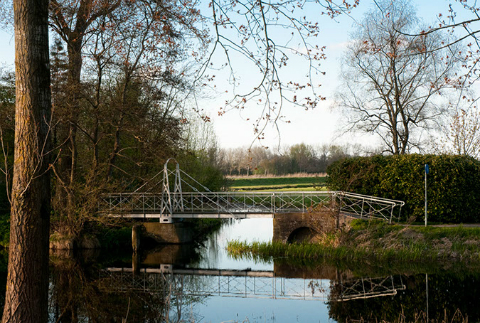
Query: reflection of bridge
{"points": [[213, 282], [367, 288], [173, 203], [247, 284]]}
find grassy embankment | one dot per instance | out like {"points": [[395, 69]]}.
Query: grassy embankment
{"points": [[290, 183], [366, 241]]}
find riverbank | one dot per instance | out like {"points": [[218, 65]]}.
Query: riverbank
{"points": [[372, 240]]}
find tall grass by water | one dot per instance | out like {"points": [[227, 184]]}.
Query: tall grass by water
{"points": [[368, 240]]}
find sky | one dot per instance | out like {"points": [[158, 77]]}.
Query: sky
{"points": [[321, 125], [317, 126]]}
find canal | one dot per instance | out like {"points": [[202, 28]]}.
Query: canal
{"points": [[204, 284]]}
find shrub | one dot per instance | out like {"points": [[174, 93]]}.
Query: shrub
{"points": [[453, 183]]}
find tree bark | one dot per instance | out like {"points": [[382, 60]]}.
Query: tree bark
{"points": [[27, 285]]}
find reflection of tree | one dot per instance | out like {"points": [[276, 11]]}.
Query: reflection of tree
{"points": [[449, 293], [81, 292], [79, 295], [179, 300]]}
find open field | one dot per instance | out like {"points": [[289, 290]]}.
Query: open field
{"points": [[277, 183]]}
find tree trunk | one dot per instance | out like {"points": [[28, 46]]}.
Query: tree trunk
{"points": [[27, 285]]}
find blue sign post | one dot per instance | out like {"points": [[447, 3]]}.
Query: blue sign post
{"points": [[427, 170]]}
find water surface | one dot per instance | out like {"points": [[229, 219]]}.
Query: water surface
{"points": [[204, 284]]}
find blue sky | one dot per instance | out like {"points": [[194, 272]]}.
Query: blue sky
{"points": [[316, 127]]}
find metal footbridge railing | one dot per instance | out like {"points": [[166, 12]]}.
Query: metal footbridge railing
{"points": [[172, 203]]}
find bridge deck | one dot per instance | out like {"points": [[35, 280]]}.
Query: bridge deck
{"points": [[195, 215]]}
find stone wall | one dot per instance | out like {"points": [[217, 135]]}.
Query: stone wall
{"points": [[291, 227], [168, 233]]}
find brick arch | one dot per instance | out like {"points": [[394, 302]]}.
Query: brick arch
{"points": [[285, 224], [302, 234]]}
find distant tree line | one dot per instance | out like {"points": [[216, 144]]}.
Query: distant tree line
{"points": [[298, 158]]}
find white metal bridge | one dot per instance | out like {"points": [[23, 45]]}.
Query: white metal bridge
{"points": [[171, 201]]}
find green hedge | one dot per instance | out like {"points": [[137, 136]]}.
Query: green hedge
{"points": [[453, 184]]}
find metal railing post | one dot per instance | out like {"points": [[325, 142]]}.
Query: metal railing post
{"points": [[303, 202], [363, 205], [273, 202]]}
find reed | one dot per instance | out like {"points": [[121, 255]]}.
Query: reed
{"points": [[367, 241]]}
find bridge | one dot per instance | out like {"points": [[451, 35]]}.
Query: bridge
{"points": [[172, 202]]}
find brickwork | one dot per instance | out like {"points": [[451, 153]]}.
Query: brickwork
{"points": [[305, 224]]}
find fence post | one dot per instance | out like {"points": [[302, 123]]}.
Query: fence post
{"points": [[337, 224], [273, 202], [391, 214], [303, 202]]}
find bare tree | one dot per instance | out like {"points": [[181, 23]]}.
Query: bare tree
{"points": [[263, 36], [462, 136], [27, 286], [466, 31], [393, 83]]}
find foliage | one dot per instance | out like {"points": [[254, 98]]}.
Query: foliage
{"points": [[115, 237], [463, 135], [119, 75], [202, 169], [7, 132], [4, 230], [453, 184]]}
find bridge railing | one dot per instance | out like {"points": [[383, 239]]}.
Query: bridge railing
{"points": [[234, 203], [215, 202], [364, 206]]}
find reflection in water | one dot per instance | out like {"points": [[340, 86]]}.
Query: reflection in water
{"points": [[81, 292], [214, 254], [366, 287], [78, 293], [443, 294], [193, 284]]}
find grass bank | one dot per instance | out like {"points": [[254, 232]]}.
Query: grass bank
{"points": [[276, 183], [369, 240]]}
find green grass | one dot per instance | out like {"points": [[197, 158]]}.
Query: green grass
{"points": [[289, 189], [375, 241], [314, 252], [278, 183]]}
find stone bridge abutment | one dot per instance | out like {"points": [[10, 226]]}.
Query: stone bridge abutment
{"points": [[306, 226]]}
